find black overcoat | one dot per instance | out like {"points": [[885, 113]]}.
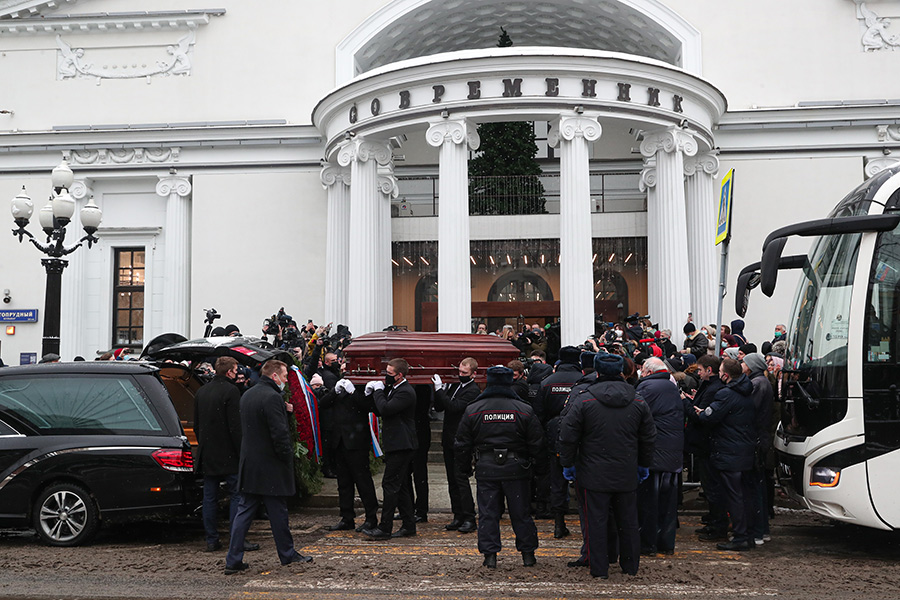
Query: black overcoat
{"points": [[217, 425], [267, 456]]}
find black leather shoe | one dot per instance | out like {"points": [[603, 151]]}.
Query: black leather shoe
{"points": [[528, 559], [422, 519], [214, 547], [578, 563], [453, 525], [712, 536], [342, 525], [298, 558], [735, 545], [366, 525], [376, 533], [600, 576], [648, 551], [232, 569], [560, 530], [490, 560], [248, 547], [404, 532], [468, 527]]}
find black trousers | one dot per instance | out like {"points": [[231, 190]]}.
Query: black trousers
{"points": [[276, 508], [559, 487], [612, 535], [597, 507], [420, 478], [352, 468], [461, 502], [517, 492], [658, 511], [712, 487], [395, 487], [738, 489]]}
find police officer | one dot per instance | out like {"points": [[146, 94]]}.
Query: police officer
{"points": [[506, 439], [551, 400]]}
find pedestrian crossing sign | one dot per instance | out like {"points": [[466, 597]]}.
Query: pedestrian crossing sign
{"points": [[723, 221]]}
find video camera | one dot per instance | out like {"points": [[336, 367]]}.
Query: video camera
{"points": [[285, 325]]}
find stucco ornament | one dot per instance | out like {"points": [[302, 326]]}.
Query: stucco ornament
{"points": [[73, 64], [875, 37]]}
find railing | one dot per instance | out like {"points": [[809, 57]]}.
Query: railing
{"points": [[520, 195]]}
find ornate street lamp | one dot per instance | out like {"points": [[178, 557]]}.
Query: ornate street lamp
{"points": [[53, 218]]}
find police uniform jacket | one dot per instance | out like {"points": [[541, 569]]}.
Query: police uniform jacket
{"points": [[537, 373], [667, 409], [453, 402], [552, 398], [267, 454], [499, 421], [733, 428], [217, 425], [397, 408], [350, 419], [606, 433]]}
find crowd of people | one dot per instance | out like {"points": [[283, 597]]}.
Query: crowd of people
{"points": [[609, 426]]}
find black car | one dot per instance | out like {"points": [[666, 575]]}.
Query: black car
{"points": [[88, 443]]}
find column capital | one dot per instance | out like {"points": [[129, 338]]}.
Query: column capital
{"points": [[332, 174], [568, 127], [387, 185], [363, 150], [877, 165], [668, 140], [173, 184], [648, 175], [707, 162], [80, 189], [457, 132]]}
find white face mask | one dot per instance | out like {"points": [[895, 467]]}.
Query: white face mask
{"points": [[281, 386]]}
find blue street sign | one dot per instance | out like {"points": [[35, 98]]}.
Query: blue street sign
{"points": [[22, 315]]}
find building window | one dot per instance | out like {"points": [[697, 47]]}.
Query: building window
{"points": [[128, 298]]}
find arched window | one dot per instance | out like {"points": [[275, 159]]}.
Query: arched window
{"points": [[426, 291], [610, 294], [520, 286]]}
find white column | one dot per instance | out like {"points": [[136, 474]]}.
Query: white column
{"points": [[454, 138], [700, 194], [177, 294], [71, 339], [387, 187], [363, 158], [648, 184], [576, 275], [669, 146], [336, 181]]}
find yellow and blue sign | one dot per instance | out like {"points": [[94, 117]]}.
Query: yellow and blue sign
{"points": [[726, 197]]}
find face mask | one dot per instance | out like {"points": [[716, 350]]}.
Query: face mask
{"points": [[464, 379], [281, 386], [618, 332], [389, 380], [778, 334]]}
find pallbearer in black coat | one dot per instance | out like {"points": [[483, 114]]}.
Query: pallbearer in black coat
{"points": [[266, 472], [395, 402]]}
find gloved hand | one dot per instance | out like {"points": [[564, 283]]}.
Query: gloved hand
{"points": [[370, 387], [344, 385], [569, 473], [643, 473], [438, 384], [377, 385]]}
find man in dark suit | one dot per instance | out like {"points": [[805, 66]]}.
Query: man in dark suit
{"points": [[217, 425], [453, 402], [266, 473], [350, 445], [395, 402]]}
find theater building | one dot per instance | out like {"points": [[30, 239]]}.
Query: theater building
{"points": [[316, 156]]}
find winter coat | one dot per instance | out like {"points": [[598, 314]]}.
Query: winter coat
{"points": [[453, 402], [537, 373], [217, 425], [397, 408], [607, 431], [267, 453], [667, 409], [350, 419], [552, 398], [697, 344], [733, 426], [763, 404], [504, 435], [696, 434]]}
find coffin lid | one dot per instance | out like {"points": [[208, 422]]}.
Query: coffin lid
{"points": [[427, 354]]}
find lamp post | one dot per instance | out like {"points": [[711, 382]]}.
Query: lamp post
{"points": [[53, 218]]}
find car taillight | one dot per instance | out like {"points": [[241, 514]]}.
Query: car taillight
{"points": [[174, 460]]}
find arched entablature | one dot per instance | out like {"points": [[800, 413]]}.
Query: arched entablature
{"points": [[405, 29]]}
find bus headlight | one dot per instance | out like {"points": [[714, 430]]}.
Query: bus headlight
{"points": [[824, 477]]}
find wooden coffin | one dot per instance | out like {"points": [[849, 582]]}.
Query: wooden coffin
{"points": [[427, 354]]}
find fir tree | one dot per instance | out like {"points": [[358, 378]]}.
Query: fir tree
{"points": [[505, 175]]}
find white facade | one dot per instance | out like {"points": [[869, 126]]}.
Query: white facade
{"points": [[202, 135]]}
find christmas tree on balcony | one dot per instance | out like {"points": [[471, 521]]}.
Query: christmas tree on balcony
{"points": [[504, 177]]}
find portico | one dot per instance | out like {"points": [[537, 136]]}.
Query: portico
{"points": [[598, 102]]}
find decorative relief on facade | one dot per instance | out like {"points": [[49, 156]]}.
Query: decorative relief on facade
{"points": [[73, 63], [105, 156], [888, 133], [877, 165], [173, 184], [875, 30]]}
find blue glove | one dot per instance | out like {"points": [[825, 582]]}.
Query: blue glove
{"points": [[569, 473], [643, 473]]}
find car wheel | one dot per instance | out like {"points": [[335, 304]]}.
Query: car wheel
{"points": [[65, 515]]}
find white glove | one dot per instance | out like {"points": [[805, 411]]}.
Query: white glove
{"points": [[344, 385], [370, 387], [377, 385], [438, 384]]}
